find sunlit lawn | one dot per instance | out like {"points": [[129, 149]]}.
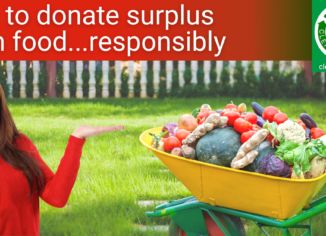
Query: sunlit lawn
{"points": [[116, 170]]}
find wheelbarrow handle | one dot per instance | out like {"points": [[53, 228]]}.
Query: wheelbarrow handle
{"points": [[318, 207], [173, 203], [173, 207], [317, 202], [153, 214]]}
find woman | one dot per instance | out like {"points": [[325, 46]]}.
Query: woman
{"points": [[24, 176]]}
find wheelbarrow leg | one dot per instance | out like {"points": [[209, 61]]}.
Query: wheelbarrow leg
{"points": [[309, 232], [261, 228], [191, 221], [286, 232], [216, 220]]}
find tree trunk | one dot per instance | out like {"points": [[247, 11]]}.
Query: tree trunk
{"points": [[52, 74], [308, 70]]}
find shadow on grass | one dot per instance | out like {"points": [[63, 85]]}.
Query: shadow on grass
{"points": [[111, 216]]}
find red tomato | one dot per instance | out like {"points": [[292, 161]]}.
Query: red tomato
{"points": [[255, 128], [242, 126], [232, 116], [202, 114], [250, 117], [272, 141], [269, 113], [170, 143], [246, 136], [280, 118], [230, 106], [202, 121], [225, 110], [301, 123], [317, 133], [181, 134]]}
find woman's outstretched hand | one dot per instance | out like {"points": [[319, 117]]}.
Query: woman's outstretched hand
{"points": [[87, 131]]}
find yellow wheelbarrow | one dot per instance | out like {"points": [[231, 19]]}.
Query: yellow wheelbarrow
{"points": [[268, 200]]}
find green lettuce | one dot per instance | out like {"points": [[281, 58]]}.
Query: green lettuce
{"points": [[300, 155]]}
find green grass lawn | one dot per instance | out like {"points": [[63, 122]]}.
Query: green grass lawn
{"points": [[116, 170]]}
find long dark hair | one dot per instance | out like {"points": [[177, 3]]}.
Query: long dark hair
{"points": [[16, 158]]}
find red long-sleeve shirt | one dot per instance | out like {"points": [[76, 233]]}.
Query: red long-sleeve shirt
{"points": [[21, 217]]}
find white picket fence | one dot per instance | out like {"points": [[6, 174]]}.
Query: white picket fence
{"points": [[132, 67]]}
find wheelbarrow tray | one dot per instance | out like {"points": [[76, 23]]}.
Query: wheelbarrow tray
{"points": [[265, 195]]}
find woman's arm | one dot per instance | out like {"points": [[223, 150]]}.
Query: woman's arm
{"points": [[58, 186]]}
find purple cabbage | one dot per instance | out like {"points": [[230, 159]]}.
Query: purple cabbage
{"points": [[171, 127], [271, 165], [219, 111]]}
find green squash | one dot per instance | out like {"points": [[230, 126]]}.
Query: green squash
{"points": [[219, 146], [265, 149]]}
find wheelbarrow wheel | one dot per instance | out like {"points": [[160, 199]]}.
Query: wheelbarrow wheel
{"points": [[232, 223]]}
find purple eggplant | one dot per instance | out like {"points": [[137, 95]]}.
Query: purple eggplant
{"points": [[258, 109], [308, 133], [219, 111], [308, 121], [260, 121]]}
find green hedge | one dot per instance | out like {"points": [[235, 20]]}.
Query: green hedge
{"points": [[42, 83], [288, 87], [137, 87], [302, 87], [316, 88], [72, 84], [269, 84], [59, 84], [29, 82], [224, 86], [124, 90], [188, 88], [150, 83], [111, 82], [3, 80], [251, 82], [239, 82], [200, 89], [98, 85], [213, 85], [162, 89], [175, 88], [16, 80]]}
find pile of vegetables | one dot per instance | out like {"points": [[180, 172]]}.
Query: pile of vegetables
{"points": [[264, 141]]}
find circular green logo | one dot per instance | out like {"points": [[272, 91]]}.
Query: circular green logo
{"points": [[320, 31]]}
